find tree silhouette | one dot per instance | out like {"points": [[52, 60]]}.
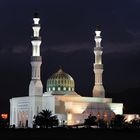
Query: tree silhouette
{"points": [[118, 121], [4, 122], [102, 123], [90, 121], [38, 121], [135, 123], [45, 119]]}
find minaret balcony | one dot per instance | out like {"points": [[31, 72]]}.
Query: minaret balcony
{"points": [[98, 66], [36, 38], [36, 58], [98, 48], [36, 25]]}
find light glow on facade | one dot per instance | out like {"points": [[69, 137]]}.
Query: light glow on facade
{"points": [[69, 119], [4, 116], [130, 117]]}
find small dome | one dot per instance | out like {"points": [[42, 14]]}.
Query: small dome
{"points": [[60, 81]]}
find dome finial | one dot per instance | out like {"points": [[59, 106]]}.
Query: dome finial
{"points": [[60, 67], [36, 15], [98, 27]]}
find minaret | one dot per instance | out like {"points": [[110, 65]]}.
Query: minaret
{"points": [[35, 87], [98, 90]]}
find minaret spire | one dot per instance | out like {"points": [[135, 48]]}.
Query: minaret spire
{"points": [[98, 90], [35, 87]]}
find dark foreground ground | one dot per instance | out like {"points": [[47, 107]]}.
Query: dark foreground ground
{"points": [[71, 134]]}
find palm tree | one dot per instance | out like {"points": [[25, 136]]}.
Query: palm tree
{"points": [[118, 121], [38, 121], [4, 122], [91, 120], [45, 119]]}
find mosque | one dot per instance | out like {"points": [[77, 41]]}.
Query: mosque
{"points": [[60, 96]]}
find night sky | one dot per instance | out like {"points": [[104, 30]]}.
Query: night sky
{"points": [[68, 40]]}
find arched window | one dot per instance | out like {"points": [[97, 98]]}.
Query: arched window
{"points": [[98, 115], [112, 115], [59, 88], [105, 116]]}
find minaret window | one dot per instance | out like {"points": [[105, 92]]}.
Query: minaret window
{"points": [[105, 115], [98, 115]]}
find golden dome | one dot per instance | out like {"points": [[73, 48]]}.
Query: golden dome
{"points": [[60, 81]]}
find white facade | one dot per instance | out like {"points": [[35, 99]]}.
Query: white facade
{"points": [[63, 100], [23, 109]]}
